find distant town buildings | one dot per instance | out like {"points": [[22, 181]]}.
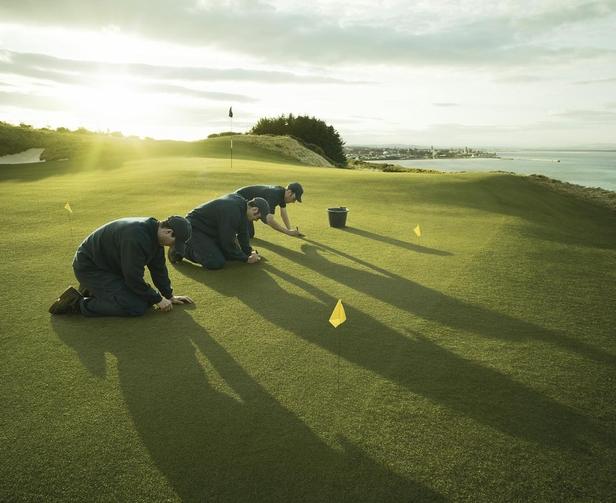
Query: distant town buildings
{"points": [[398, 153]]}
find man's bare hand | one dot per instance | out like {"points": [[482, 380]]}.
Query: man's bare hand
{"points": [[254, 257], [182, 299], [295, 232], [165, 305]]}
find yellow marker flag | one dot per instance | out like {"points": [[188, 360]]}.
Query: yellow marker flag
{"points": [[417, 231], [338, 316], [68, 208]]}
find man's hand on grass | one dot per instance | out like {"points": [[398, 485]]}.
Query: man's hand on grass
{"points": [[253, 258], [165, 305], [295, 232]]}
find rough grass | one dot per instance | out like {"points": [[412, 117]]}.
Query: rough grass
{"points": [[288, 147], [97, 148], [596, 195], [476, 364]]}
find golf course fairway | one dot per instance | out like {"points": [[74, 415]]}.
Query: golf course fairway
{"points": [[477, 362]]}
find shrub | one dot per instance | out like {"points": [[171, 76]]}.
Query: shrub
{"points": [[313, 133]]}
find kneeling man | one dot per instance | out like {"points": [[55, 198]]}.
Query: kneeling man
{"points": [[110, 264], [275, 195], [220, 231]]}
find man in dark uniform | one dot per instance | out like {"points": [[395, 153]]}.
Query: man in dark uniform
{"points": [[219, 231], [110, 264], [275, 195]]}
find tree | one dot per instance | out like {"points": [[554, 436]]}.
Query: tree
{"points": [[313, 133]]}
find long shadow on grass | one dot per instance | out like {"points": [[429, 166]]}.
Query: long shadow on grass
{"points": [[217, 444], [410, 360], [396, 242], [431, 304]]}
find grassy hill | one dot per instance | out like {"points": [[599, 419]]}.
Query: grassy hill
{"points": [[477, 363], [93, 149]]}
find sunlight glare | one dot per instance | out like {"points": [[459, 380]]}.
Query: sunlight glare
{"points": [[112, 103]]}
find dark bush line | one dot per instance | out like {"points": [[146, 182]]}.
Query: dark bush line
{"points": [[311, 132]]}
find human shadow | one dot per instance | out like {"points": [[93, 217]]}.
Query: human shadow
{"points": [[348, 256], [217, 444], [411, 360], [395, 242], [433, 305]]}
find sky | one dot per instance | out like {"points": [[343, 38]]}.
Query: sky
{"points": [[429, 72]]}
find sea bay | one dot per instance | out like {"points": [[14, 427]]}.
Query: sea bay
{"points": [[591, 168]]}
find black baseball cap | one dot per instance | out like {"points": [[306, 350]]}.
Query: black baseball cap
{"points": [[297, 189], [182, 230], [263, 206]]}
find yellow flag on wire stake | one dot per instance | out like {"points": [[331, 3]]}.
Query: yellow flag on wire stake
{"points": [[68, 208], [338, 316], [417, 231]]}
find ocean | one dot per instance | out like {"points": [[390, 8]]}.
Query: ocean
{"points": [[591, 168]]}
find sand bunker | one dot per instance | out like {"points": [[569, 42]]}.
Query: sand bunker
{"points": [[25, 157]]}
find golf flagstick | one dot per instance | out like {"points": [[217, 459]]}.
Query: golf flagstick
{"points": [[231, 136], [338, 370]]}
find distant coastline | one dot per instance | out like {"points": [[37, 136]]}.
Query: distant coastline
{"points": [[596, 195], [362, 153], [590, 168]]}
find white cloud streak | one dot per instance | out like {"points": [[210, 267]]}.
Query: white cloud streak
{"points": [[62, 69]]}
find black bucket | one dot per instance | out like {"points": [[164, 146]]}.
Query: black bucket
{"points": [[337, 216]]}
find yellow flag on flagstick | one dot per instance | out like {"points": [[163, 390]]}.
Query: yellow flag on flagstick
{"points": [[338, 316], [68, 208], [417, 231]]}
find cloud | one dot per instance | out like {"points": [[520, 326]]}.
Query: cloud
{"points": [[589, 116], [67, 70], [365, 118], [48, 74], [561, 14], [212, 118], [271, 33], [79, 73], [596, 81], [24, 100], [521, 79], [446, 105], [531, 134], [186, 91]]}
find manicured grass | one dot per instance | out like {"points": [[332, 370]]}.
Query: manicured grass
{"points": [[477, 363]]}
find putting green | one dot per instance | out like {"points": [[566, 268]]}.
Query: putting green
{"points": [[476, 363]]}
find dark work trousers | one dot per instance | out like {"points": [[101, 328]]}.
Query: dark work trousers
{"points": [[202, 249], [109, 294]]}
